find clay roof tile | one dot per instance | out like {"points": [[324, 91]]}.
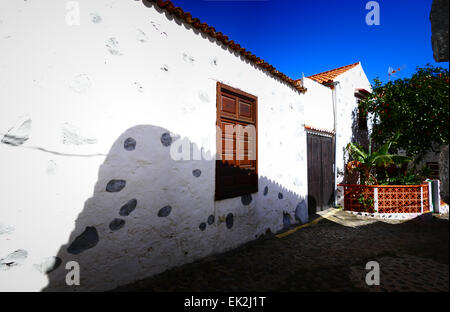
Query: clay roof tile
{"points": [[329, 75]]}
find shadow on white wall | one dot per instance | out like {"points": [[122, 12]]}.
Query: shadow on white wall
{"points": [[149, 213]]}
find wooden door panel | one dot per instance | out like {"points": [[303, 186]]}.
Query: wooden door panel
{"points": [[320, 172], [314, 196], [327, 172]]}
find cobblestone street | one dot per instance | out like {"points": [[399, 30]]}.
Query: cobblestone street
{"points": [[330, 255]]}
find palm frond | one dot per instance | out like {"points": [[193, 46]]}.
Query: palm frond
{"points": [[357, 152], [381, 160], [400, 159]]}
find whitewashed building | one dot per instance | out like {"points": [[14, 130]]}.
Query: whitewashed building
{"points": [[334, 113], [99, 100]]}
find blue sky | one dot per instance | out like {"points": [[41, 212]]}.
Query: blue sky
{"points": [[312, 36]]}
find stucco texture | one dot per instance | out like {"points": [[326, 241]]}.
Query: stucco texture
{"points": [[90, 177], [347, 115]]}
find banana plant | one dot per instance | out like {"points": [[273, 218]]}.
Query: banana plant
{"points": [[365, 161]]}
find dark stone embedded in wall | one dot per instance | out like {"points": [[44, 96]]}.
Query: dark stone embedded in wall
{"points": [[166, 139], [188, 58], [229, 220], [5, 229], [71, 135], [246, 199], [51, 167], [157, 27], [81, 83], [139, 87], [141, 36], [86, 240], [95, 18], [197, 173], [126, 209], [116, 224], [164, 211], [211, 219], [15, 258], [115, 185], [280, 196], [301, 206], [13, 140], [202, 226], [113, 46], [129, 144], [19, 133], [203, 96], [48, 265], [266, 190], [286, 220]]}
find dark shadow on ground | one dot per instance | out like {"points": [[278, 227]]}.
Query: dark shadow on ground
{"points": [[413, 256]]}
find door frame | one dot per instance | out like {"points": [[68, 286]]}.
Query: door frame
{"points": [[329, 134]]}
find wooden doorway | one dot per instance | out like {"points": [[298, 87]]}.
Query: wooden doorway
{"points": [[320, 172]]}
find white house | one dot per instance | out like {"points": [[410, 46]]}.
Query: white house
{"points": [[334, 113], [108, 120]]}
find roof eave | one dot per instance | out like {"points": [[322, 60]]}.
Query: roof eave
{"points": [[210, 31]]}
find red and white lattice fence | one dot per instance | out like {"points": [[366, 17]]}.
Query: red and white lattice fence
{"points": [[387, 198]]}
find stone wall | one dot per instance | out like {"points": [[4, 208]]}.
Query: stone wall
{"points": [[439, 29]]}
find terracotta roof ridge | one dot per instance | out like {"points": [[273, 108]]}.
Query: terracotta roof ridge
{"points": [[347, 67], [320, 130], [211, 31]]}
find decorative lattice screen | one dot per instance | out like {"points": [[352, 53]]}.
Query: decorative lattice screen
{"points": [[386, 198]]}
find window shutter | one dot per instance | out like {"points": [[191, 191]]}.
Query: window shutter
{"points": [[236, 171]]}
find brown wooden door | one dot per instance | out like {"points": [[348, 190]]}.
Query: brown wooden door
{"points": [[320, 172]]}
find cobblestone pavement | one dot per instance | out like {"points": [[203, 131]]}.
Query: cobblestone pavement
{"points": [[328, 256]]}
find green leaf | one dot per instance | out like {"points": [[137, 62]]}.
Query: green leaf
{"points": [[357, 152]]}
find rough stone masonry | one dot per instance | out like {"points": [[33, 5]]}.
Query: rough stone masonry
{"points": [[439, 29]]}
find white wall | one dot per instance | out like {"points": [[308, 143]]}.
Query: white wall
{"points": [[127, 71], [347, 111], [319, 112], [319, 108]]}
